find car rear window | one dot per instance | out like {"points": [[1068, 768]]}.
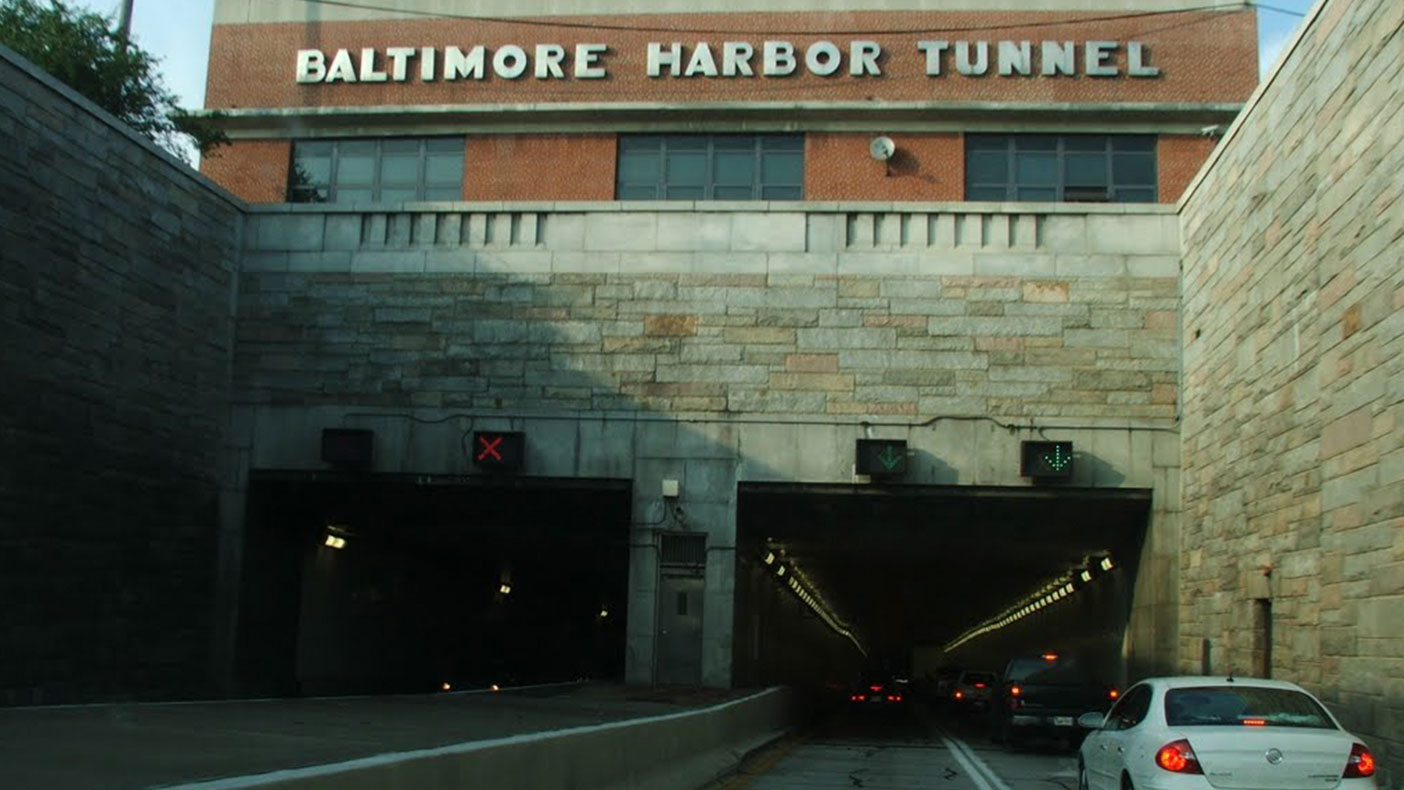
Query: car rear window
{"points": [[978, 677], [1056, 671], [1243, 705]]}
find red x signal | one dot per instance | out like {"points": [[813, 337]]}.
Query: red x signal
{"points": [[490, 445]]}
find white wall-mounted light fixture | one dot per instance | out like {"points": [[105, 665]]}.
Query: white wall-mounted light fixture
{"points": [[504, 589]]}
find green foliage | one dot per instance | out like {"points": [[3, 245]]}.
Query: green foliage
{"points": [[84, 51]]}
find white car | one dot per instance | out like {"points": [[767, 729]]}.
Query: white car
{"points": [[1217, 733]]}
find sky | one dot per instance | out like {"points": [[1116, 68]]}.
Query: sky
{"points": [[178, 32]]}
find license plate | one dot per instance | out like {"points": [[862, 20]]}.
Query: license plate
{"points": [[1062, 721]]}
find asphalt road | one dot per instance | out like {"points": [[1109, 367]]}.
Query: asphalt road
{"points": [[911, 747]]}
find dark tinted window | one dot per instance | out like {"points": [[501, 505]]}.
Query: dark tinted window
{"points": [[1049, 168], [1229, 705], [710, 167], [389, 170], [1130, 710], [1062, 670]]}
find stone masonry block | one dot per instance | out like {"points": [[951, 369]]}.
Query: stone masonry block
{"points": [[769, 232]]}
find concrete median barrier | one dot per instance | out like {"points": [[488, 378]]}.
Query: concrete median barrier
{"points": [[677, 751]]}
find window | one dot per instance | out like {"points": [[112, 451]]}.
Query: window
{"points": [[710, 167], [1130, 710], [1218, 706], [1096, 168], [389, 170]]}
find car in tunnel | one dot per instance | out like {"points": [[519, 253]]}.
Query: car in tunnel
{"points": [[878, 689], [971, 691], [1043, 694], [1202, 733]]}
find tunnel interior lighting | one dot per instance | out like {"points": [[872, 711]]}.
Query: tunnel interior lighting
{"points": [[1107, 564], [335, 542], [770, 558], [1086, 576], [1055, 591], [505, 589], [795, 581]]}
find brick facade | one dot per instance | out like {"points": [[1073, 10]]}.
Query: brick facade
{"points": [[926, 167], [539, 167], [254, 170], [1294, 390], [116, 267]]}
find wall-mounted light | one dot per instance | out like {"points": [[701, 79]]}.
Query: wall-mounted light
{"points": [[1107, 564], [781, 570], [604, 612], [770, 558], [334, 542], [504, 589]]}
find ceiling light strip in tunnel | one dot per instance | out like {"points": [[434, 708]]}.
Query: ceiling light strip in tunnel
{"points": [[1047, 595], [791, 577]]}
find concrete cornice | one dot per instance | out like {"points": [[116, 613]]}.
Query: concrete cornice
{"points": [[887, 117]]}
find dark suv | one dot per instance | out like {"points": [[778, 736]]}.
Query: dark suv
{"points": [[1042, 695]]}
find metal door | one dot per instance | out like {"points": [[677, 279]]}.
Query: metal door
{"points": [[680, 629]]}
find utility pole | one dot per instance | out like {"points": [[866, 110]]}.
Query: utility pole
{"points": [[124, 21]]}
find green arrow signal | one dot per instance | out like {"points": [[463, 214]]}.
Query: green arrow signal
{"points": [[889, 459]]}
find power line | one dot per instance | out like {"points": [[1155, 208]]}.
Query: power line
{"points": [[1287, 11], [537, 22]]}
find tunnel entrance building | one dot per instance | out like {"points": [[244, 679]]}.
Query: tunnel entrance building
{"points": [[909, 572], [391, 583]]}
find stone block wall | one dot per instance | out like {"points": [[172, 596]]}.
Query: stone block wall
{"points": [[1294, 380], [116, 274]]}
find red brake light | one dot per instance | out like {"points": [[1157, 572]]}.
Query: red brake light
{"points": [[1254, 722], [1361, 763], [1178, 757], [874, 688], [960, 695], [1050, 656], [1113, 693], [979, 685], [1015, 691]]}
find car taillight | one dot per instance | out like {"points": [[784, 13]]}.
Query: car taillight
{"points": [[1113, 693], [979, 685], [874, 688], [1361, 763], [1015, 691], [960, 695], [1178, 757]]}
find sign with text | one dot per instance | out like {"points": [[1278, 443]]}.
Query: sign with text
{"points": [[499, 451], [726, 59], [881, 457]]}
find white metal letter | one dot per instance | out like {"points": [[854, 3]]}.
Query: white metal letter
{"points": [[934, 50], [863, 58], [1057, 58], [1137, 65], [368, 71], [509, 62], [311, 65], [458, 65], [399, 62], [823, 58], [548, 61], [779, 59], [736, 59], [341, 67], [658, 59], [1015, 57], [980, 65], [586, 56], [701, 62], [1096, 56], [426, 64]]}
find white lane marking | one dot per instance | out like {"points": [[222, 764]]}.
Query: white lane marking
{"points": [[289, 774], [975, 767]]}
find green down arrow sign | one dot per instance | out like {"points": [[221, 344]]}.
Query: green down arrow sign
{"points": [[881, 457]]}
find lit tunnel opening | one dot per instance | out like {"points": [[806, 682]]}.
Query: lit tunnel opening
{"points": [[923, 577]]}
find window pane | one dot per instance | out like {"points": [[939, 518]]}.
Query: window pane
{"points": [[1036, 168], [686, 142], [1035, 142], [400, 147], [1085, 142], [353, 196], [1126, 195], [308, 195], [444, 145], [782, 193], [685, 168], [986, 142], [399, 170], [733, 193], [443, 193], [1141, 143], [735, 168], [313, 169], [782, 142], [782, 168], [445, 169], [985, 167], [734, 142], [685, 193], [355, 169], [398, 195], [985, 193], [640, 142], [637, 192], [1086, 169], [638, 167], [1133, 170], [1039, 194]]}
